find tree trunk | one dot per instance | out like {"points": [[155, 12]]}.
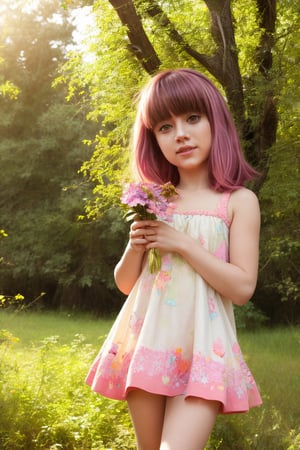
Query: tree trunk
{"points": [[226, 67], [265, 133], [139, 45]]}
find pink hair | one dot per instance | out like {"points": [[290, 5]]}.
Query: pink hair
{"points": [[177, 92]]}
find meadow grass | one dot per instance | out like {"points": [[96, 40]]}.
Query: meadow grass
{"points": [[274, 358], [33, 327], [44, 402]]}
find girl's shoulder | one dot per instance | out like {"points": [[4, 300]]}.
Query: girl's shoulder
{"points": [[243, 195], [243, 201]]}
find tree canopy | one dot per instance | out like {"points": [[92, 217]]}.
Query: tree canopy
{"points": [[250, 49], [41, 151]]}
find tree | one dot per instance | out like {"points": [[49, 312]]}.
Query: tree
{"points": [[41, 151], [249, 49]]}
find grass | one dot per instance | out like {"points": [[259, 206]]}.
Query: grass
{"points": [[42, 391], [275, 363], [47, 405], [32, 327]]}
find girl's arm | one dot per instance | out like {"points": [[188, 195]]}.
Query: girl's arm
{"points": [[130, 265], [235, 279]]}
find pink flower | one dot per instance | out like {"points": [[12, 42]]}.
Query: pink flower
{"points": [[148, 201]]}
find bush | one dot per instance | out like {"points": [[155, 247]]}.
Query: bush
{"points": [[47, 405], [249, 317]]}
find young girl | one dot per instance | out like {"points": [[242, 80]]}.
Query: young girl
{"points": [[173, 352]]}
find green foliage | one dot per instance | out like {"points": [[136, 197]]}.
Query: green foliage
{"points": [[262, 429], [7, 88], [110, 100], [41, 152], [249, 317], [7, 338], [45, 400], [279, 274], [47, 404], [280, 255], [273, 425], [42, 136], [5, 300]]}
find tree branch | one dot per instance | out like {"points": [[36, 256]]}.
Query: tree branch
{"points": [[154, 11], [139, 45]]}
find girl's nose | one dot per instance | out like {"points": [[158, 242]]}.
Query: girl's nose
{"points": [[181, 132]]}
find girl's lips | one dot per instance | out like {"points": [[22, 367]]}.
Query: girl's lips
{"points": [[184, 150]]}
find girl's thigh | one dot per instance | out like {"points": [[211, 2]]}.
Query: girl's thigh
{"points": [[188, 423], [147, 413]]}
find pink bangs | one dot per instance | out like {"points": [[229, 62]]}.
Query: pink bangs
{"points": [[173, 94]]}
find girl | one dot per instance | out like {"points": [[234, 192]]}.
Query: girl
{"points": [[172, 352]]}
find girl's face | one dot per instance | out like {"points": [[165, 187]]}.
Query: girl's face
{"points": [[185, 140]]}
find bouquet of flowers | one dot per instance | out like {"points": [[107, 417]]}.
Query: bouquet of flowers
{"points": [[148, 201]]}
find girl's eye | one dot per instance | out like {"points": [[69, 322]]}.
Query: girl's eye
{"points": [[194, 118], [164, 128]]}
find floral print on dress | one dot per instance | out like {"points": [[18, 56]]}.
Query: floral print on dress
{"points": [[213, 313], [170, 302], [178, 374], [218, 347], [169, 367], [162, 279], [164, 275], [135, 323]]}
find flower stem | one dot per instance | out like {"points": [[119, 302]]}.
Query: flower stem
{"points": [[154, 261]]}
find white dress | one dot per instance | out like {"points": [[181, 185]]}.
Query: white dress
{"points": [[175, 335]]}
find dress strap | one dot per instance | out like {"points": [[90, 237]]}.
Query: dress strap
{"points": [[223, 208]]}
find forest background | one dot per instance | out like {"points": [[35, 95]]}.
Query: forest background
{"points": [[66, 112]]}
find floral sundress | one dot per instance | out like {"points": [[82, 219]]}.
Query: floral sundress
{"points": [[175, 335]]}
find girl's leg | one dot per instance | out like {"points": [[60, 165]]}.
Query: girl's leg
{"points": [[188, 423], [147, 412]]}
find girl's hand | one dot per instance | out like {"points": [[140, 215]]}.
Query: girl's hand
{"points": [[160, 235], [137, 239], [129, 268]]}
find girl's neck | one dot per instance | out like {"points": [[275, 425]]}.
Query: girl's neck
{"points": [[195, 192], [193, 182]]}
